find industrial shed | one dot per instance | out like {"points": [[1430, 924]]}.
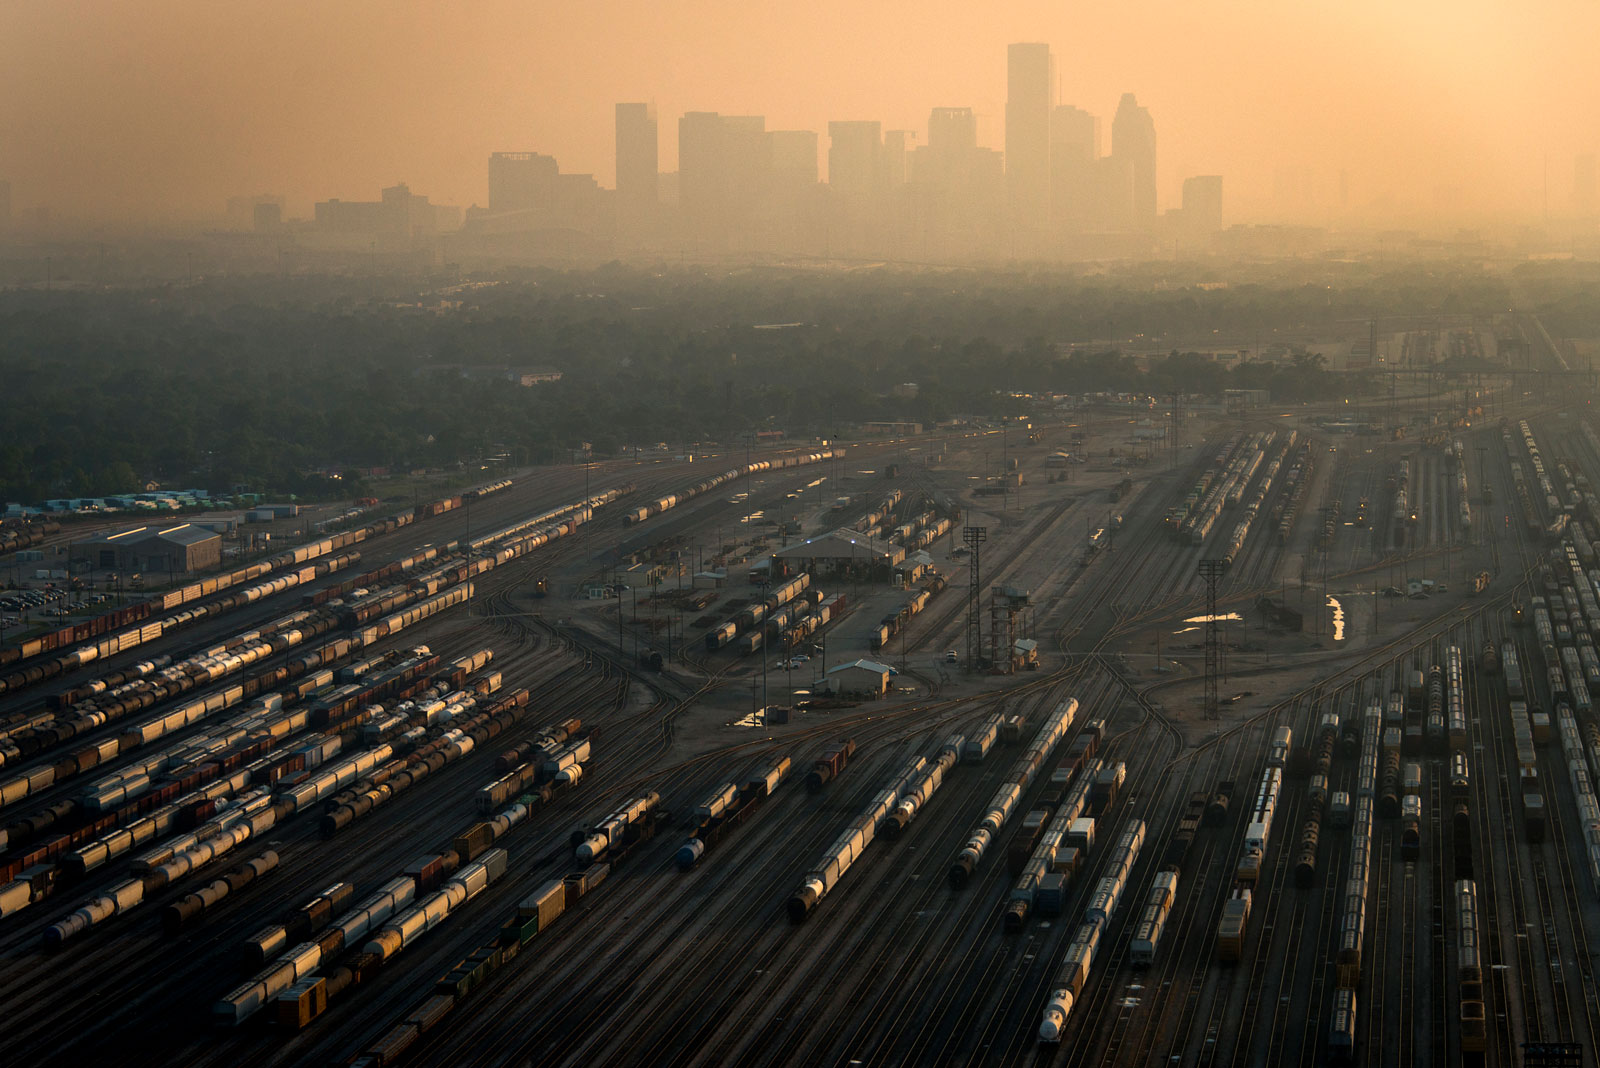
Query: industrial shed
{"points": [[843, 552], [860, 676], [176, 549]]}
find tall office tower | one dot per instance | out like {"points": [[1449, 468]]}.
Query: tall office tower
{"points": [[952, 130], [794, 158], [788, 214], [1585, 195], [748, 159], [897, 148], [522, 181], [1030, 74], [1202, 203], [724, 167], [1074, 148], [700, 169], [958, 189], [637, 156], [1115, 190], [1133, 140], [855, 160]]}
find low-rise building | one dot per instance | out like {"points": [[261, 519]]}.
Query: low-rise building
{"points": [[177, 549], [860, 676]]}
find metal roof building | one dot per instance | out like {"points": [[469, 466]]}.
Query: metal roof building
{"points": [[844, 550], [182, 547], [860, 676]]}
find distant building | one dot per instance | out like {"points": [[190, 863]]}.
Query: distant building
{"points": [[864, 166], [1133, 140], [1074, 148], [534, 377], [1585, 193], [880, 426], [528, 192], [855, 160], [1030, 74], [793, 155], [896, 165], [522, 181], [177, 549], [638, 157], [957, 190], [1202, 203], [953, 129], [5, 203], [1247, 398], [860, 676], [399, 215], [724, 168], [243, 212], [267, 218]]}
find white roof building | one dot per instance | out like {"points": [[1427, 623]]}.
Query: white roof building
{"points": [[860, 676]]}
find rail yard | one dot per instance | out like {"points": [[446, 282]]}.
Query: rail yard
{"points": [[847, 753]]}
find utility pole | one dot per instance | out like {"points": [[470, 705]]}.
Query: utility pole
{"points": [[1211, 571], [1176, 422]]}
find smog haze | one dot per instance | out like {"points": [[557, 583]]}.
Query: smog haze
{"points": [[1462, 113]]}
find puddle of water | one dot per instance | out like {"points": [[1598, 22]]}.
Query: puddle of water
{"points": [[1338, 618], [1224, 618]]}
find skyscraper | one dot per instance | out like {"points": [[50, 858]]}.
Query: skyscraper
{"points": [[1584, 189], [952, 130], [897, 147], [958, 189], [794, 159], [855, 157], [637, 155], [724, 169], [1030, 73], [522, 181], [1074, 147], [1133, 140], [1202, 203]]}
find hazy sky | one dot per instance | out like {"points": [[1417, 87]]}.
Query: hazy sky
{"points": [[167, 107]]}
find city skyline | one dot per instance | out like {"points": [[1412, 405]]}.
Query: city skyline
{"points": [[1380, 111]]}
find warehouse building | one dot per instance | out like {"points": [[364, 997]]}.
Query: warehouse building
{"points": [[860, 676], [843, 553], [176, 549]]}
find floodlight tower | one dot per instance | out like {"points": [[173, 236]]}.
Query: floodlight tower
{"points": [[1211, 571], [974, 537]]}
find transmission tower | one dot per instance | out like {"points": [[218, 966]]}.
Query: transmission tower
{"points": [[1211, 571], [974, 537], [1176, 422]]}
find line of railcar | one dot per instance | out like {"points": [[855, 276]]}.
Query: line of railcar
{"points": [[398, 913], [139, 632], [1056, 724], [1073, 974], [672, 500], [756, 612], [534, 915], [726, 807], [893, 623], [1163, 893], [1051, 845], [856, 837], [1583, 768], [152, 796]]}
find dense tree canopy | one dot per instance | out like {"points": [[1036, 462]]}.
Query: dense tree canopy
{"points": [[265, 381]]}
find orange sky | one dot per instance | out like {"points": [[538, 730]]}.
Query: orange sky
{"points": [[164, 108]]}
